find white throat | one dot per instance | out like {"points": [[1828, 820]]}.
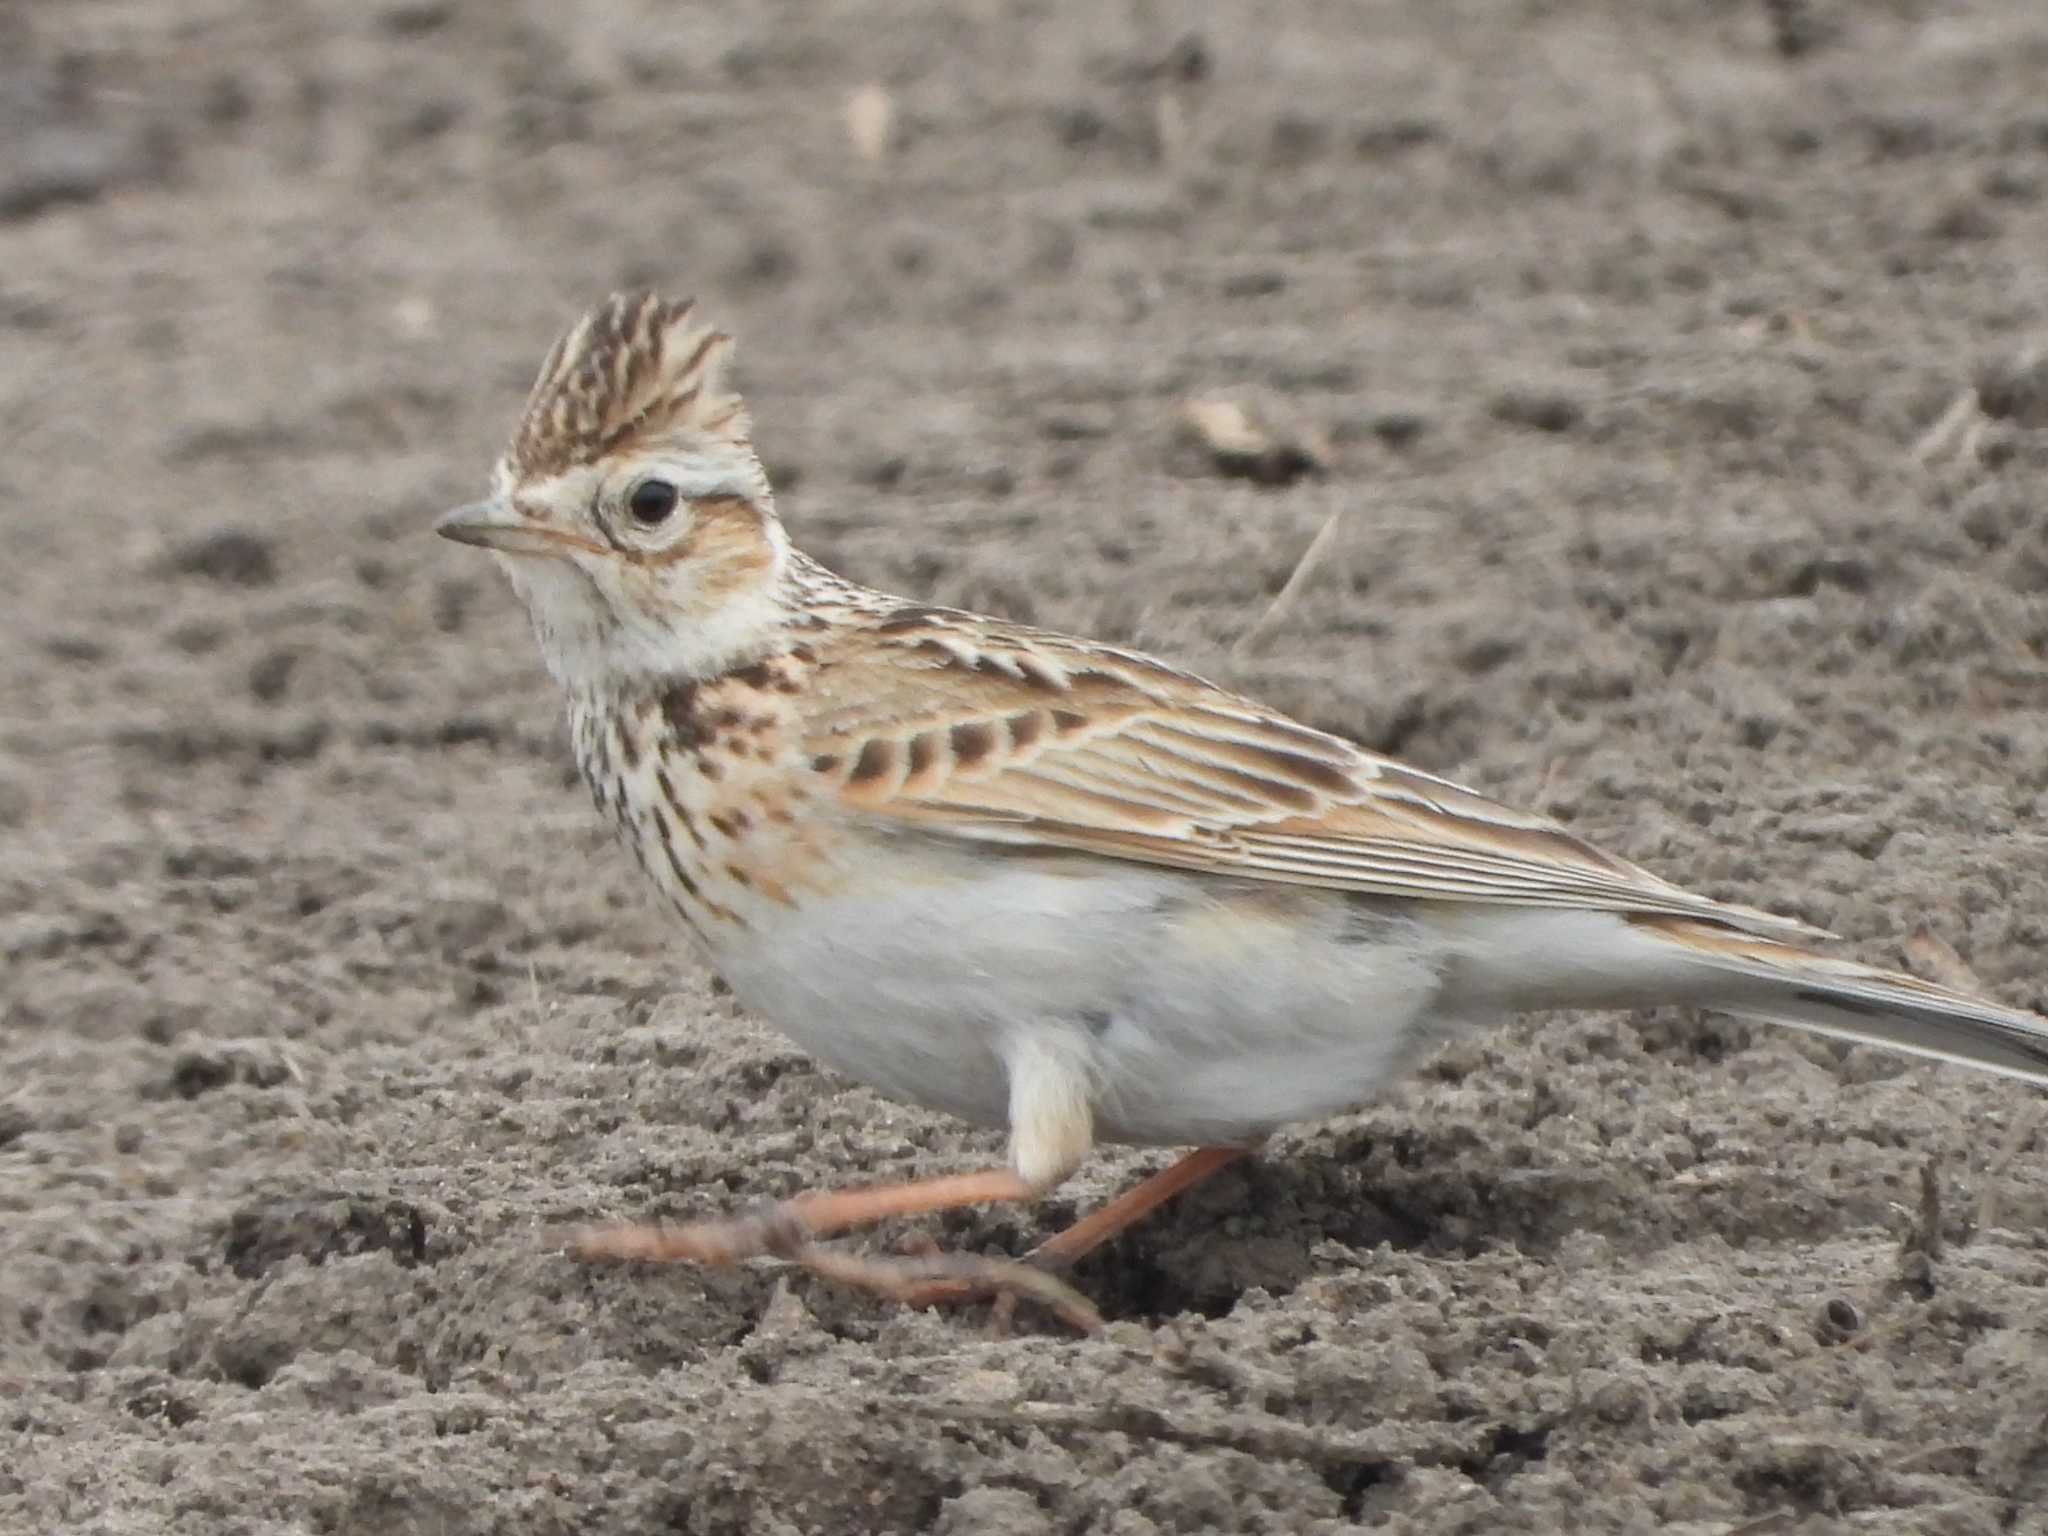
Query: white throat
{"points": [[595, 638]]}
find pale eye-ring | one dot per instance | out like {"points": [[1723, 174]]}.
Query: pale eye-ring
{"points": [[651, 503]]}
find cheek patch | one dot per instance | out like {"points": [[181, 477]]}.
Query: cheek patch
{"points": [[732, 544]]}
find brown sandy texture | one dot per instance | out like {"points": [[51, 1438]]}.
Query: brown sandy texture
{"points": [[1643, 338]]}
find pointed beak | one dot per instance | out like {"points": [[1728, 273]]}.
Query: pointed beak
{"points": [[497, 525]]}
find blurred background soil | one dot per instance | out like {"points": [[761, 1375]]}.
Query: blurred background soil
{"points": [[1678, 371]]}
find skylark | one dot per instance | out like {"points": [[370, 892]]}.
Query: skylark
{"points": [[1041, 882]]}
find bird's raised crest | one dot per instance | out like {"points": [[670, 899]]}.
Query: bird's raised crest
{"points": [[636, 367]]}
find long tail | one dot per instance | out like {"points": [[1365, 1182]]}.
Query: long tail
{"points": [[1757, 978]]}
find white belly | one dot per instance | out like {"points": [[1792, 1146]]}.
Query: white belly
{"points": [[1206, 1010]]}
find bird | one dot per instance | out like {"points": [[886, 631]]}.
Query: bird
{"points": [[1042, 883]]}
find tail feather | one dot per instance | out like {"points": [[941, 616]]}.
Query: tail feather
{"points": [[1756, 978]]}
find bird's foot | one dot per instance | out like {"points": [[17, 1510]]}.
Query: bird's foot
{"points": [[926, 1278]]}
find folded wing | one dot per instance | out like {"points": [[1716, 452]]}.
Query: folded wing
{"points": [[1013, 736]]}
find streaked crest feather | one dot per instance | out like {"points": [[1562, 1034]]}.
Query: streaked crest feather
{"points": [[636, 366]]}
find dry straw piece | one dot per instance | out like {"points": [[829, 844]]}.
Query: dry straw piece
{"points": [[870, 121]]}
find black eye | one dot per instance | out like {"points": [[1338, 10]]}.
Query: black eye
{"points": [[651, 503]]}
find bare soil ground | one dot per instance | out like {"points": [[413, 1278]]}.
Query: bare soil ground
{"points": [[326, 1004]]}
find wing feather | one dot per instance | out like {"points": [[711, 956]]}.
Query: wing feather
{"points": [[1013, 736]]}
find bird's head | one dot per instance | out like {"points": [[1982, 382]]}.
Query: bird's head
{"points": [[629, 509]]}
